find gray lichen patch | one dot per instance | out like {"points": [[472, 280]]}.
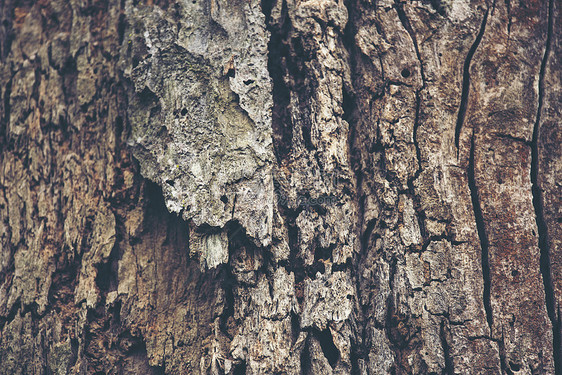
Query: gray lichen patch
{"points": [[200, 111]]}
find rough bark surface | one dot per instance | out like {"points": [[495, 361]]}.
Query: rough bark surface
{"points": [[280, 187]]}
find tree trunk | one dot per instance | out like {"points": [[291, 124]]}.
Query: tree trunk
{"points": [[284, 187]]}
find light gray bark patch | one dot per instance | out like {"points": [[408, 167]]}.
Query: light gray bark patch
{"points": [[201, 113]]}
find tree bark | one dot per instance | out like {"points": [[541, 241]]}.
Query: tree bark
{"points": [[280, 187]]}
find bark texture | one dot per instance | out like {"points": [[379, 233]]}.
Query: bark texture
{"points": [[280, 187]]}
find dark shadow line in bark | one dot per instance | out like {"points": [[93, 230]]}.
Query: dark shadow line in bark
{"points": [[449, 367], [481, 228], [278, 63], [359, 349], [508, 7], [466, 81], [408, 27], [545, 263], [329, 349], [6, 118], [295, 327], [365, 238], [305, 358], [106, 278], [420, 214], [415, 135]]}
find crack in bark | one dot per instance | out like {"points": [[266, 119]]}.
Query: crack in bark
{"points": [[449, 367], [366, 236], [329, 349], [408, 27], [420, 215], [545, 263], [278, 51], [415, 135], [305, 358], [6, 118], [466, 80], [508, 6], [513, 138], [359, 348], [481, 229]]}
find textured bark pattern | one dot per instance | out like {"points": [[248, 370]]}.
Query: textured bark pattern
{"points": [[299, 187]]}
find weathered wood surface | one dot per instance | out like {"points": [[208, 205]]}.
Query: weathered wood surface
{"points": [[299, 187]]}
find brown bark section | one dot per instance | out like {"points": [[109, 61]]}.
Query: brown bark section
{"points": [[417, 219], [502, 119]]}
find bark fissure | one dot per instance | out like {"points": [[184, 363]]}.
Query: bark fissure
{"points": [[329, 349], [543, 242], [415, 135], [420, 214], [408, 27], [466, 80], [508, 8], [481, 229], [513, 138], [449, 366], [359, 350], [6, 118]]}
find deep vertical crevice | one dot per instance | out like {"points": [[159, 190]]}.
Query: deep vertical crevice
{"points": [[408, 27], [329, 349], [278, 56], [5, 120], [106, 278], [420, 214], [287, 53], [305, 358], [481, 228], [466, 80], [545, 264], [449, 367], [508, 7], [351, 97], [415, 135]]}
